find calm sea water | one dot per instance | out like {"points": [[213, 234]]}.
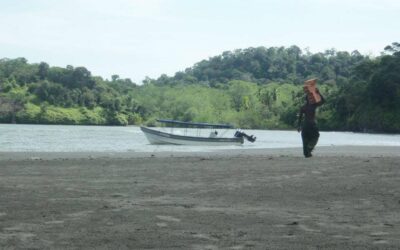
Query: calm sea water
{"points": [[59, 138]]}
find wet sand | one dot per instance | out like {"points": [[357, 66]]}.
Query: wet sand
{"points": [[342, 198]]}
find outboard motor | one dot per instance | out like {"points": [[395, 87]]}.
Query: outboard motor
{"points": [[250, 138]]}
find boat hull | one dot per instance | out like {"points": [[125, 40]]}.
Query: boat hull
{"points": [[159, 137]]}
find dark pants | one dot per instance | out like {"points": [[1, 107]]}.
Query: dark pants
{"points": [[310, 135]]}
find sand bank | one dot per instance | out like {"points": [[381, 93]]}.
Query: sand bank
{"points": [[344, 197], [356, 151]]}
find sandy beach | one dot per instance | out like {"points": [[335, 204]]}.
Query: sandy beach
{"points": [[342, 198]]}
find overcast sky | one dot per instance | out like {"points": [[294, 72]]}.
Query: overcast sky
{"points": [[139, 38]]}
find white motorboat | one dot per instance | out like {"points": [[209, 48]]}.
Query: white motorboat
{"points": [[160, 136]]}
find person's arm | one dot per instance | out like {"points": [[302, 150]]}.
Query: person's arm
{"points": [[322, 98], [300, 119]]}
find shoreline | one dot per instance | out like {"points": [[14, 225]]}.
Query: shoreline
{"points": [[320, 151], [369, 132]]}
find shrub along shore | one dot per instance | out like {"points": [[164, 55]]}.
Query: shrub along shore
{"points": [[258, 88]]}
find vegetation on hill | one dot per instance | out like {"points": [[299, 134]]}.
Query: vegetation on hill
{"points": [[264, 65], [250, 88]]}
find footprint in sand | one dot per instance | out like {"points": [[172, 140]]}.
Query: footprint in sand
{"points": [[17, 235], [239, 247], [54, 222], [379, 236], [118, 195], [380, 241], [204, 247], [162, 224], [168, 218], [308, 229], [376, 234], [203, 236], [80, 214]]}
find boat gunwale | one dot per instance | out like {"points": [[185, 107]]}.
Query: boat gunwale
{"points": [[191, 138], [196, 124]]}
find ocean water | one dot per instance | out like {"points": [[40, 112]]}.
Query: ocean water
{"points": [[62, 138]]}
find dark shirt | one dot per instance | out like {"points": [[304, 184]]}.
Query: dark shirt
{"points": [[308, 110]]}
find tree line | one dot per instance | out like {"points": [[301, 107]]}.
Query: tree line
{"points": [[250, 88]]}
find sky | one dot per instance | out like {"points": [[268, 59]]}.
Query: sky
{"points": [[146, 38]]}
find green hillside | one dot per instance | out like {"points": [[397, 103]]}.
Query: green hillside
{"points": [[250, 88]]}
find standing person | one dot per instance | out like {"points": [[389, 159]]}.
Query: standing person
{"points": [[309, 130]]}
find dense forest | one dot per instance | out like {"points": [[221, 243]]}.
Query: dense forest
{"points": [[250, 88]]}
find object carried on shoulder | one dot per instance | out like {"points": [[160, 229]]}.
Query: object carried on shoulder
{"points": [[310, 88]]}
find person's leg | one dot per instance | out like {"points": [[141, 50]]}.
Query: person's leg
{"points": [[313, 138], [305, 136]]}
